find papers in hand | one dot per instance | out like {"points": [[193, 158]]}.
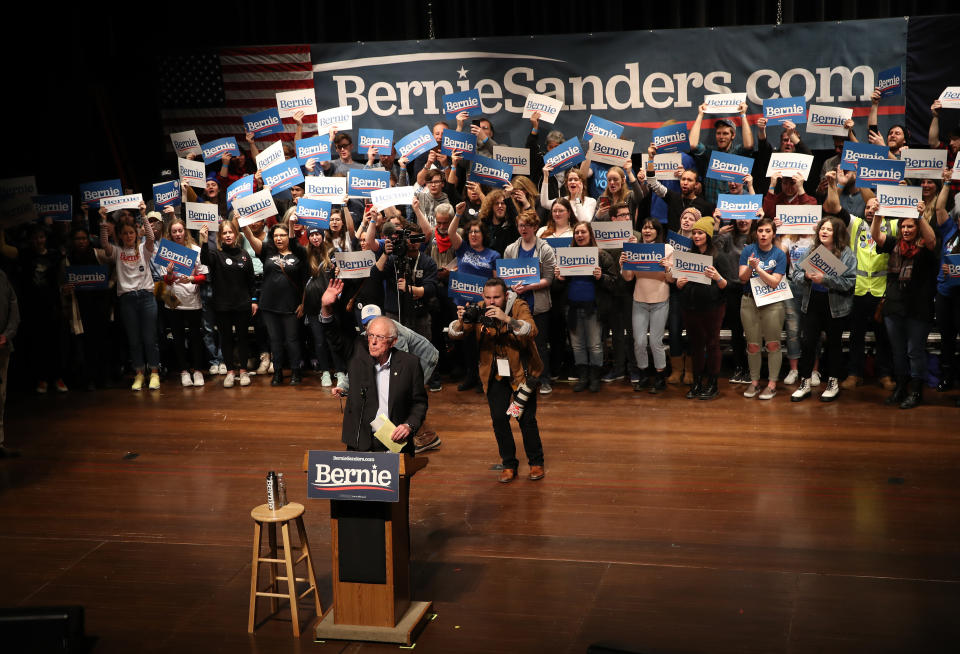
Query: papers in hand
{"points": [[382, 429]]}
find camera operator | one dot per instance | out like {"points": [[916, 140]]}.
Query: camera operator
{"points": [[505, 332]]}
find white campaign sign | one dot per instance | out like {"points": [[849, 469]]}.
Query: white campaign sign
{"points": [[923, 163], [950, 98], [519, 158], [339, 119], [692, 267], [254, 207], [202, 213], [355, 265], [192, 172], [270, 156], [548, 107], [328, 189], [798, 218], [122, 202], [389, 197], [823, 260], [612, 234], [664, 165], [788, 164], [186, 143], [576, 261], [609, 151], [898, 201], [290, 102], [827, 120], [723, 103], [764, 295]]}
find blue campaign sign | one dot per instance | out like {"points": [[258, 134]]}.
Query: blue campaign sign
{"points": [[671, 138], [679, 242], [853, 152], [263, 123], [166, 194], [779, 110], [282, 176], [315, 147], [416, 143], [381, 139], [559, 241], [362, 476], [360, 183], [239, 189], [184, 259], [87, 278], [313, 213], [489, 172], [644, 257], [58, 208], [214, 150], [463, 142], [951, 277], [890, 81], [729, 167], [519, 271], [454, 103], [465, 288], [871, 172], [739, 207], [565, 155], [597, 126], [92, 192]]}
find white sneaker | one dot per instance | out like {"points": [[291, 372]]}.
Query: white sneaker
{"points": [[214, 369], [341, 379], [222, 369], [197, 378], [244, 379], [185, 379], [768, 393], [814, 378], [325, 379], [802, 392], [228, 380], [833, 387], [791, 378], [264, 363], [751, 391]]}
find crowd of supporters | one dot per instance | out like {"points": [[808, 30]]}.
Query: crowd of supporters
{"points": [[251, 306]]}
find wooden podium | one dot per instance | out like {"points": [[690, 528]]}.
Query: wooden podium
{"points": [[371, 569]]}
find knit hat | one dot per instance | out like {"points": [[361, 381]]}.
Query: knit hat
{"points": [[705, 225], [693, 212]]}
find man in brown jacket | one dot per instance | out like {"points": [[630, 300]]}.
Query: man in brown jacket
{"points": [[505, 333]]}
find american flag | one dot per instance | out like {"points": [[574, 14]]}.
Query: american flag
{"points": [[210, 92]]}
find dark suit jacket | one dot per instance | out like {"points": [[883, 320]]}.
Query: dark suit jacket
{"points": [[407, 402]]}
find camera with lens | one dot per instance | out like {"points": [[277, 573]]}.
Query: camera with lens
{"points": [[477, 313]]}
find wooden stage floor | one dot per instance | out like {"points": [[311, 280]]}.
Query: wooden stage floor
{"points": [[663, 525]]}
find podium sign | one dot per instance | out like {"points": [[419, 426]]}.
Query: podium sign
{"points": [[360, 476]]}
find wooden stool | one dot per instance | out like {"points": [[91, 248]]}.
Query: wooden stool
{"points": [[263, 515]]}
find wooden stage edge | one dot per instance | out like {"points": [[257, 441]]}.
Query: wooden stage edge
{"points": [[663, 524]]}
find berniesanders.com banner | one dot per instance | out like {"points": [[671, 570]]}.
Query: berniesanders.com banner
{"points": [[637, 79]]}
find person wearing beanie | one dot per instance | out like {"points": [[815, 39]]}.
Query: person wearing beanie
{"points": [[703, 306]]}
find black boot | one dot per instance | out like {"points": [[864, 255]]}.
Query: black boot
{"points": [[710, 390], [914, 395], [659, 383], [899, 392], [583, 379], [642, 381], [696, 389], [595, 379], [295, 377], [277, 376], [946, 380]]}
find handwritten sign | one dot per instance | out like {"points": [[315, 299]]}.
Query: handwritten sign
{"points": [[777, 111], [798, 218], [199, 214], [575, 261], [644, 257], [548, 107], [355, 265], [254, 207]]}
